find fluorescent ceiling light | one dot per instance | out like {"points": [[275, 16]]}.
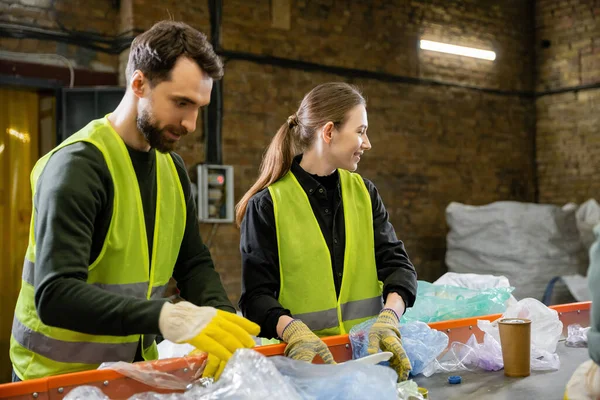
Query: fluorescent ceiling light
{"points": [[460, 50]]}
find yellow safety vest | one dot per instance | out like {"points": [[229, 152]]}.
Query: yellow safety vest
{"points": [[122, 267], [307, 286]]}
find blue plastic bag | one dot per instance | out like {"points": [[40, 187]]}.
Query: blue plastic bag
{"points": [[421, 343], [338, 382]]}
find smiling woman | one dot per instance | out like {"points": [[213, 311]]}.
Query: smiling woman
{"points": [[319, 254]]}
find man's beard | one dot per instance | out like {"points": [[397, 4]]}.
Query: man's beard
{"points": [[156, 136]]}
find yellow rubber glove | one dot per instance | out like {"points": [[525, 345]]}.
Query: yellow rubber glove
{"points": [[303, 344], [213, 367], [385, 335], [215, 332]]}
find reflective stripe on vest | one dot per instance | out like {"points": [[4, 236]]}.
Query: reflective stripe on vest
{"points": [[307, 286], [138, 290], [71, 352], [122, 267], [319, 320]]}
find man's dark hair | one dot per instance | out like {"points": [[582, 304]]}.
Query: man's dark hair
{"points": [[156, 51]]}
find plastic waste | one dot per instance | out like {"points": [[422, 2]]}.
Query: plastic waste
{"points": [[546, 330], [475, 281], [576, 336], [588, 216], [250, 375], [338, 382], [168, 349], [443, 302], [149, 374], [421, 343], [468, 357], [86, 393], [408, 390], [527, 243]]}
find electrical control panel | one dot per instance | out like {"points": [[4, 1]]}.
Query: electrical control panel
{"points": [[215, 193]]}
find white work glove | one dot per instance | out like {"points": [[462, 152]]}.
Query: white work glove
{"points": [[585, 383], [215, 332]]}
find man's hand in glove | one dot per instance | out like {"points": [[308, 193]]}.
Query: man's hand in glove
{"points": [[217, 333], [303, 344], [385, 335]]}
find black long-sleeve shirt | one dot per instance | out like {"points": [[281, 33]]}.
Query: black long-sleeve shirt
{"points": [[260, 259], [73, 208]]}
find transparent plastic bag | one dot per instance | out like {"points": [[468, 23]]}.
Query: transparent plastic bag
{"points": [[443, 302], [475, 281], [455, 359], [247, 376], [338, 382], [408, 390], [546, 330], [468, 357], [421, 343], [150, 374], [250, 375], [86, 393], [488, 354], [576, 336], [168, 349]]}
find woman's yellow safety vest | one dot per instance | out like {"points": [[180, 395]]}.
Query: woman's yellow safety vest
{"points": [[122, 267], [307, 287]]}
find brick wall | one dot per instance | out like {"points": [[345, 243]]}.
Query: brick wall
{"points": [[432, 144], [383, 36], [568, 124], [95, 16]]}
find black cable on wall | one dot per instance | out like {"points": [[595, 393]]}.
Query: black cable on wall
{"points": [[118, 43], [213, 113]]}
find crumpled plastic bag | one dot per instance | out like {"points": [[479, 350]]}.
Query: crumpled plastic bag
{"points": [[86, 393], [468, 357], [337, 382], [587, 217], [409, 390], [546, 330], [168, 349], [476, 281], [442, 302], [577, 336], [146, 372], [421, 343], [249, 375]]}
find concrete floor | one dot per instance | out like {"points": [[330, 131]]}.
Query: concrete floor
{"points": [[494, 385]]}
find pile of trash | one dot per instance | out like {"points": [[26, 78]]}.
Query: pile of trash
{"points": [[527, 243]]}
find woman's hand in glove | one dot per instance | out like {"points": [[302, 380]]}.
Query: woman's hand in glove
{"points": [[385, 335], [303, 344]]}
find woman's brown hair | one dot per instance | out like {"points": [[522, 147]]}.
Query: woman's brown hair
{"points": [[326, 102]]}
